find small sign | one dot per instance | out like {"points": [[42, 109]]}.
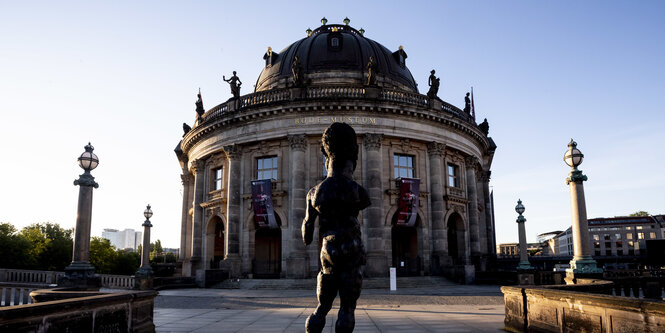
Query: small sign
{"points": [[393, 278], [401, 263]]}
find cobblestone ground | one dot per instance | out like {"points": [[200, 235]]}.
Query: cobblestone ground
{"points": [[448, 309]]}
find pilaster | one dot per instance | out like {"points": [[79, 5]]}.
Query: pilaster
{"points": [[297, 261], [376, 257]]}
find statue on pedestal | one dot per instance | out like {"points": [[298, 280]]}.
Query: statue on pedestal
{"points": [[336, 201], [296, 70], [433, 82], [199, 106], [235, 84], [467, 104], [371, 71]]}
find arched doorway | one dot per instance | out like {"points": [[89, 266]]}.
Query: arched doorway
{"points": [[456, 239], [215, 242], [405, 248], [267, 261]]}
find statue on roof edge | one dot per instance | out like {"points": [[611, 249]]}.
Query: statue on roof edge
{"points": [[235, 84], [433, 82]]}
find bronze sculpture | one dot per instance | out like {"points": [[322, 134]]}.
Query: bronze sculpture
{"points": [[371, 72], [235, 84], [433, 82], [336, 201], [467, 104], [296, 70], [199, 106]]}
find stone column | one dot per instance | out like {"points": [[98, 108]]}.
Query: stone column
{"points": [[439, 238], [186, 204], [233, 206], [376, 257], [489, 222], [81, 274], [582, 265], [198, 167], [297, 262], [471, 163]]}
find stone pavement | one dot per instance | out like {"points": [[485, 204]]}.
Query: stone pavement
{"points": [[449, 308]]}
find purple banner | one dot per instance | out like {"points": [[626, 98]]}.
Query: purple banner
{"points": [[409, 189], [264, 215]]}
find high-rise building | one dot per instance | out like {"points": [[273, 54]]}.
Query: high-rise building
{"points": [[127, 239]]}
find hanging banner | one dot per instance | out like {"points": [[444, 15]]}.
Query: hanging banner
{"points": [[264, 215], [409, 189]]}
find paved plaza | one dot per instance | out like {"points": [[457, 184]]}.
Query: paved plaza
{"points": [[447, 308]]}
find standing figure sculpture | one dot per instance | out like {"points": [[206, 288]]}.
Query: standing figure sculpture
{"points": [[296, 70], [336, 201], [467, 104], [235, 84], [371, 71], [199, 106], [433, 82]]}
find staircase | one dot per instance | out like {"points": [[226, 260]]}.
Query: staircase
{"points": [[308, 284]]}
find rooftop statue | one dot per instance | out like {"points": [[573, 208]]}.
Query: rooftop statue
{"points": [[484, 127], [296, 70], [186, 128], [336, 201], [371, 71], [199, 106], [433, 85], [467, 104], [235, 84]]}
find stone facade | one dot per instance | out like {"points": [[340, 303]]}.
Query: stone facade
{"points": [[444, 146]]}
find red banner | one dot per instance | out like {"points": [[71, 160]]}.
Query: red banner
{"points": [[264, 215], [409, 189]]}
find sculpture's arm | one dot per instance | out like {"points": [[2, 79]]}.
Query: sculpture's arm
{"points": [[308, 222]]}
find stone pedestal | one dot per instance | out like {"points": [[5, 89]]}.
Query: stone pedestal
{"points": [[80, 275], [297, 93], [525, 277], [372, 92], [435, 103]]}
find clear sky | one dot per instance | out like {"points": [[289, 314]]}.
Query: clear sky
{"points": [[124, 75]]}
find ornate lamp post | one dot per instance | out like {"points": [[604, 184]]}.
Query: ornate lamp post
{"points": [[524, 259], [80, 273], [582, 264], [144, 275]]}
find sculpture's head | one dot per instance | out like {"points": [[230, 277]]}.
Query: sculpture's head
{"points": [[339, 144]]}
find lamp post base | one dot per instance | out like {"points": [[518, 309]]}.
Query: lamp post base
{"points": [[81, 276], [144, 278], [525, 266], [583, 268]]}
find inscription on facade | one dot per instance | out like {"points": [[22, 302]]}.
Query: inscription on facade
{"points": [[330, 120]]}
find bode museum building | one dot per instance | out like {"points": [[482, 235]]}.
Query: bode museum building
{"points": [[248, 164]]}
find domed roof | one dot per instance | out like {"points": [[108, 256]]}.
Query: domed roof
{"points": [[333, 55]]}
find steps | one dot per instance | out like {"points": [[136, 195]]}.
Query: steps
{"points": [[309, 284]]}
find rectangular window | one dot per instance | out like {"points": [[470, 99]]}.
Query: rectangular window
{"points": [[266, 167], [639, 227], [629, 236], [453, 175], [595, 237], [640, 235], [617, 236], [631, 249], [607, 236], [218, 179], [325, 169], [403, 166], [629, 228], [652, 235]]}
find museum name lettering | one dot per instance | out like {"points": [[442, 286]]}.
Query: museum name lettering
{"points": [[329, 120]]}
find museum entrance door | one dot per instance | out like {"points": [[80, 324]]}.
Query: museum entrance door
{"points": [[218, 249], [405, 251], [267, 262], [456, 239]]}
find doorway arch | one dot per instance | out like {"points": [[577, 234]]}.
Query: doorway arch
{"points": [[405, 256], [267, 263], [215, 249], [456, 239]]}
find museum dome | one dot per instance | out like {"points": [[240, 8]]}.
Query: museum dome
{"points": [[336, 54]]}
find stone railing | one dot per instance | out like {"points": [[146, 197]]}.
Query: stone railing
{"points": [[29, 276], [18, 293], [117, 281], [574, 309], [327, 92]]}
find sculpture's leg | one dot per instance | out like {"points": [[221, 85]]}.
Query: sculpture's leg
{"points": [[349, 291], [326, 290]]}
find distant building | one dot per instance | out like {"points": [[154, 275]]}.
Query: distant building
{"points": [[506, 250], [127, 239], [615, 236]]}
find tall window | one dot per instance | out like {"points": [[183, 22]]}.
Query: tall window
{"points": [[218, 179], [266, 167], [453, 175], [403, 166], [325, 169]]}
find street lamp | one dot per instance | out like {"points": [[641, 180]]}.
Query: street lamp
{"points": [[524, 260], [80, 274], [582, 265], [144, 274]]}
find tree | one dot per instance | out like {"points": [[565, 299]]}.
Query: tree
{"points": [[14, 248], [103, 255], [127, 263], [50, 246], [640, 213]]}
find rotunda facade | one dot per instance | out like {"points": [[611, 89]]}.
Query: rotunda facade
{"points": [[249, 162]]}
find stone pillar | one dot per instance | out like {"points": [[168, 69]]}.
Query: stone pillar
{"points": [[297, 262], [489, 221], [471, 164], [377, 265], [233, 206], [198, 167], [80, 274], [186, 204], [582, 265], [439, 238], [144, 276]]}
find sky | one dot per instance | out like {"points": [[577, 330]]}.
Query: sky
{"points": [[124, 75]]}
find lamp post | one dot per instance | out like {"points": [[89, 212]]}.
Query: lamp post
{"points": [[582, 264], [80, 274], [524, 259], [144, 275]]}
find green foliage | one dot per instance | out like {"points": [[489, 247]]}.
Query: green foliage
{"points": [[171, 258], [14, 248], [103, 255], [156, 251], [51, 245], [127, 263], [640, 213]]}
